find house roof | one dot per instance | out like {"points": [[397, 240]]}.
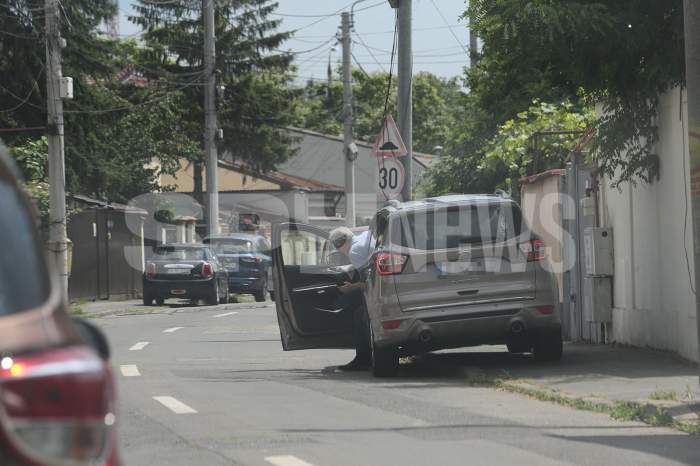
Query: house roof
{"points": [[285, 180], [127, 209], [540, 176], [420, 157]]}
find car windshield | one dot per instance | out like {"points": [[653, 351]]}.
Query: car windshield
{"points": [[232, 246], [169, 253]]}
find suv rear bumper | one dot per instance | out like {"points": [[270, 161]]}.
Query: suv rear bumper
{"points": [[435, 330]]}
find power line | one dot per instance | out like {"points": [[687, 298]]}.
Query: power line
{"points": [[448, 27]]}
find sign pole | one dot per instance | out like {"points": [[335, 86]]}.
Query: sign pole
{"points": [[405, 93]]}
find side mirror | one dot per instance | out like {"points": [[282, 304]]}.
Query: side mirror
{"points": [[93, 337]]}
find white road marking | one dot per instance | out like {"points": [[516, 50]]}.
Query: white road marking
{"points": [[287, 460], [174, 329], [226, 314], [139, 346], [130, 370], [176, 406]]}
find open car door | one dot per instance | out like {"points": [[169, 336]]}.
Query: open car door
{"points": [[309, 309]]}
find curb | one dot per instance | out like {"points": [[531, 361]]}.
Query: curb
{"points": [[681, 416]]}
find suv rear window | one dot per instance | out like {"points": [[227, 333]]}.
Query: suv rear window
{"points": [[171, 253], [24, 281], [232, 246], [450, 227]]}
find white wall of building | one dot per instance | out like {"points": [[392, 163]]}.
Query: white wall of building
{"points": [[653, 304]]}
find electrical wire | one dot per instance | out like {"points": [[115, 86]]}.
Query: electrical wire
{"points": [[444, 20]]}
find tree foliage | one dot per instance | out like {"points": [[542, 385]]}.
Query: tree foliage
{"points": [[623, 53], [436, 106], [256, 102]]}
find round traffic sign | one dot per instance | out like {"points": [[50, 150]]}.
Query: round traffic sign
{"points": [[391, 177]]}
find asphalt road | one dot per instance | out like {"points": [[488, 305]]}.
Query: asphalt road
{"points": [[208, 386]]}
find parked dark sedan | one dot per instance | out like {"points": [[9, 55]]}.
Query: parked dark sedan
{"points": [[185, 271], [58, 394], [247, 261]]}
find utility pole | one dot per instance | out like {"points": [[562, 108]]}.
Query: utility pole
{"points": [[692, 64], [211, 125], [58, 244], [405, 94], [348, 153]]}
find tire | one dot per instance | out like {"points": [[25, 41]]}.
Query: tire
{"points": [[213, 298], [548, 346], [160, 301], [271, 294], [385, 361], [147, 298]]}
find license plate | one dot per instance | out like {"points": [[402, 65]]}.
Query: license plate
{"points": [[178, 292], [457, 267], [178, 271]]}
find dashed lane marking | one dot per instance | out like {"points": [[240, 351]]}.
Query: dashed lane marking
{"points": [[176, 406], [130, 370], [139, 346], [226, 314], [286, 460], [172, 330]]}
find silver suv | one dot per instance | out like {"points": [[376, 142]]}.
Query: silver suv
{"points": [[444, 272]]}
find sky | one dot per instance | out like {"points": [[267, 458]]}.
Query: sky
{"points": [[440, 38]]}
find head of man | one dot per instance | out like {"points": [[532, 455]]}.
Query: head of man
{"points": [[341, 239]]}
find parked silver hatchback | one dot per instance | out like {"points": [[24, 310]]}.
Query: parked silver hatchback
{"points": [[445, 272]]}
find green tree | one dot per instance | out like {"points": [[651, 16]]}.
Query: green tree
{"points": [[435, 107], [256, 101], [623, 53]]}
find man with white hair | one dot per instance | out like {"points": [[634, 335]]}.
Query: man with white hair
{"points": [[352, 253]]}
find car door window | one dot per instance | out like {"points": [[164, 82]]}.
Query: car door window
{"points": [[302, 248]]}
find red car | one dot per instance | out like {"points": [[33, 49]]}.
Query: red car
{"points": [[57, 393]]}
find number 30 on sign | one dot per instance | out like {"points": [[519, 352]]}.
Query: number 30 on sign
{"points": [[390, 178]]}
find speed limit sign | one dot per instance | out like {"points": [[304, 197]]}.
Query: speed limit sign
{"points": [[391, 177]]}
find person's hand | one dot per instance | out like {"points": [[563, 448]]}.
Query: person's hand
{"points": [[346, 287]]}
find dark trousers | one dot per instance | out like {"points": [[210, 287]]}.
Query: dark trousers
{"points": [[360, 325]]}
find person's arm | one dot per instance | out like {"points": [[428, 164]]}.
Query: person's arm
{"points": [[348, 287]]}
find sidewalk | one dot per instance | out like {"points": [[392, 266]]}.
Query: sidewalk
{"points": [[135, 306], [628, 383]]}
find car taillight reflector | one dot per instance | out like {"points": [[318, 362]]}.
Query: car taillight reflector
{"points": [[390, 263], [59, 408], [534, 250], [391, 324], [545, 310], [207, 270], [151, 270]]}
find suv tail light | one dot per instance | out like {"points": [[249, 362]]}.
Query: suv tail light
{"points": [[534, 250], [151, 270], [390, 263], [57, 407], [207, 270]]}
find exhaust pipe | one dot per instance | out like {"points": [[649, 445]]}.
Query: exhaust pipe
{"points": [[517, 327], [425, 336]]}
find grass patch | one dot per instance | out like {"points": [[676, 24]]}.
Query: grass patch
{"points": [[622, 411], [666, 395]]}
